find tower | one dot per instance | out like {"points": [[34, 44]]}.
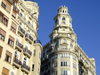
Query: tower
{"points": [[62, 55]]}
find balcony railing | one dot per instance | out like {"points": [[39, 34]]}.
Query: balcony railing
{"points": [[17, 61], [20, 29], [28, 36], [28, 51], [26, 67], [19, 44], [16, 9]]}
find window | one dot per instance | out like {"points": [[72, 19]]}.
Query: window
{"points": [[2, 34], [74, 57], [63, 18], [56, 21], [64, 48], [74, 73], [71, 44], [65, 72], [64, 41], [3, 19], [8, 56], [39, 55], [34, 52], [28, 22], [33, 67], [74, 66], [11, 41], [55, 56], [12, 73], [3, 5], [38, 70], [65, 63], [13, 27], [55, 64], [21, 14], [65, 55], [0, 51], [5, 71]]}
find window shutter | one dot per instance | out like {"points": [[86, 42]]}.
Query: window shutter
{"points": [[14, 25], [0, 51], [11, 38], [8, 7], [4, 1], [2, 32], [5, 71], [8, 53]]}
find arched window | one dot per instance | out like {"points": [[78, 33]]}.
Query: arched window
{"points": [[63, 18]]}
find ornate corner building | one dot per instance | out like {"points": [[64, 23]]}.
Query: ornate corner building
{"points": [[62, 55], [20, 50]]}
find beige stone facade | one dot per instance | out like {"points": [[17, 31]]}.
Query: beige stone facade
{"points": [[62, 55], [20, 49]]}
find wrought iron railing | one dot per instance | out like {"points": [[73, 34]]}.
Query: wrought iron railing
{"points": [[19, 44], [28, 51], [28, 36], [17, 61], [26, 67], [19, 28]]}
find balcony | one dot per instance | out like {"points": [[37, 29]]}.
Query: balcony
{"points": [[19, 46], [27, 52], [25, 68], [29, 38], [16, 9], [21, 31], [16, 62]]}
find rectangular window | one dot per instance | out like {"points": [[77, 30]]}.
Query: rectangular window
{"points": [[13, 27], [5, 71], [8, 56], [65, 55], [3, 19], [3, 5], [2, 34], [65, 72], [55, 64], [14, 14], [0, 51], [74, 57], [34, 52], [65, 63], [11, 41], [74, 66], [33, 67]]}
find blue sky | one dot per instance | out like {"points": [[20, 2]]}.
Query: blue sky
{"points": [[85, 21]]}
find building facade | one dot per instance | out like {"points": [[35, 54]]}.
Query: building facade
{"points": [[62, 55], [20, 49]]}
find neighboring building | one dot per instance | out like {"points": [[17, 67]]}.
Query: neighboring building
{"points": [[62, 55], [19, 49]]}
